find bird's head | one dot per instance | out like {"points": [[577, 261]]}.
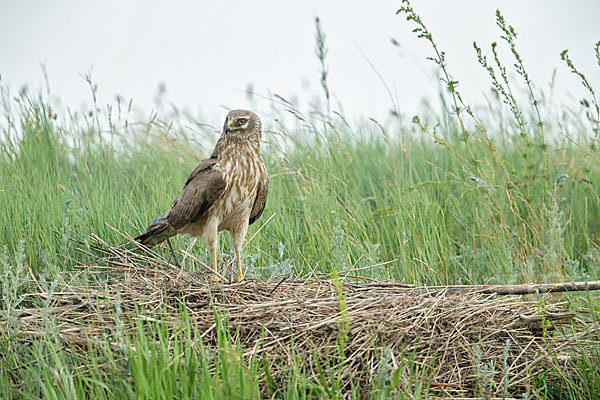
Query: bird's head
{"points": [[242, 124]]}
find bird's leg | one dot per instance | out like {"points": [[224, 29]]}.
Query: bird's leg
{"points": [[238, 237], [210, 237], [173, 253], [239, 265], [215, 277]]}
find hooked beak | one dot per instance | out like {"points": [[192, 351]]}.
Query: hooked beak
{"points": [[228, 126]]}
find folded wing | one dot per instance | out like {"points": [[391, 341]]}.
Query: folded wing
{"points": [[261, 200], [203, 187]]}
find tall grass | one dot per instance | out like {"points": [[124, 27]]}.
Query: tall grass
{"points": [[446, 202], [417, 203]]}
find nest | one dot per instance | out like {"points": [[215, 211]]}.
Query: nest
{"points": [[460, 342]]}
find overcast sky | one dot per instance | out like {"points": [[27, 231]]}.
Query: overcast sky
{"points": [[207, 53]]}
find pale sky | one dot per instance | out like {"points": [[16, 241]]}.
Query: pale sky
{"points": [[207, 53]]}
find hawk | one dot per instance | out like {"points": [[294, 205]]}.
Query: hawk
{"points": [[227, 191]]}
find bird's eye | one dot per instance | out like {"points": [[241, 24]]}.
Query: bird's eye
{"points": [[242, 121]]}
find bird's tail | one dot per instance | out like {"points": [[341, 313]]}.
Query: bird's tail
{"points": [[157, 232]]}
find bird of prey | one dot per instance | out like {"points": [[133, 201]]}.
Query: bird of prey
{"points": [[227, 191]]}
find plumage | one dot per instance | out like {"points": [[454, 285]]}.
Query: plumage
{"points": [[227, 191]]}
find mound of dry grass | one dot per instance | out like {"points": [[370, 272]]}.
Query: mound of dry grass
{"points": [[463, 341]]}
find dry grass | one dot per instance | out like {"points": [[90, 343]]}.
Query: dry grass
{"points": [[452, 339]]}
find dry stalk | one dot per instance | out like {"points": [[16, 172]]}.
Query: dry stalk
{"points": [[448, 333]]}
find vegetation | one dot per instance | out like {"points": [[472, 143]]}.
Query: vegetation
{"points": [[462, 198]]}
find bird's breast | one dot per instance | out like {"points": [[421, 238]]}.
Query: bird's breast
{"points": [[242, 177]]}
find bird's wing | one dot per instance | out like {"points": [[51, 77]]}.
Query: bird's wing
{"points": [[202, 188], [261, 200]]}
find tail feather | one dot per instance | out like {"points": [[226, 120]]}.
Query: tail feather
{"points": [[157, 232]]}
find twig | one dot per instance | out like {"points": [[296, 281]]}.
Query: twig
{"points": [[526, 288]]}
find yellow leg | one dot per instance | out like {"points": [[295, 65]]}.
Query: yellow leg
{"points": [[215, 277], [239, 264]]}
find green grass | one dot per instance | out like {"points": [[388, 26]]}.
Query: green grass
{"points": [[355, 198], [351, 200], [453, 203]]}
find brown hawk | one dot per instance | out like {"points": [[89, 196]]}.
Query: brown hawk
{"points": [[228, 191]]}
